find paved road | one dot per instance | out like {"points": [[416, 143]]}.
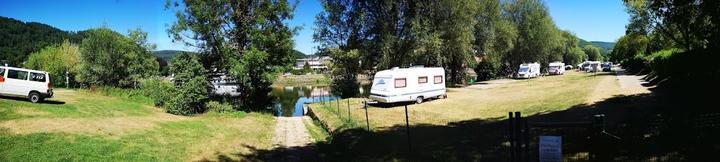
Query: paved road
{"points": [[631, 84]]}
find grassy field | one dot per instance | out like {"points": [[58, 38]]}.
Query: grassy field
{"points": [[491, 100], [467, 126], [85, 126]]}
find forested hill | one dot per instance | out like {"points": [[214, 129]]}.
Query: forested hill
{"points": [[605, 47], [18, 39]]}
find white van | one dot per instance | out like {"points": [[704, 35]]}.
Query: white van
{"points": [[556, 68], [530, 70], [33, 84], [408, 84]]}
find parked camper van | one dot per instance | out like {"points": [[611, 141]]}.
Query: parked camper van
{"points": [[556, 68], [408, 84], [33, 84], [593, 66], [530, 70]]}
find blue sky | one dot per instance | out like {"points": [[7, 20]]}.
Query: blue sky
{"points": [[595, 20]]}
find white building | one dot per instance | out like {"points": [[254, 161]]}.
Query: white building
{"points": [[315, 63]]}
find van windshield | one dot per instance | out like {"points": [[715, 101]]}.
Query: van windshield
{"points": [[524, 69], [381, 83]]}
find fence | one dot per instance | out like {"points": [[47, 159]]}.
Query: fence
{"points": [[520, 136]]}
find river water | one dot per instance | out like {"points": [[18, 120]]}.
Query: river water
{"points": [[289, 101]]}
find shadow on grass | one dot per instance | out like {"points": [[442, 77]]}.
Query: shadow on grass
{"points": [[664, 125], [51, 102]]}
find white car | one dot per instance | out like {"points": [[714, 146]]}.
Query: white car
{"points": [[33, 84]]}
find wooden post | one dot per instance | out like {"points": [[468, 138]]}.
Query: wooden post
{"points": [[349, 117], [518, 141]]}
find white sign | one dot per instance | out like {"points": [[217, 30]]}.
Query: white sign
{"points": [[550, 148]]}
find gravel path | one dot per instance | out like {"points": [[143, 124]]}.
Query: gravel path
{"points": [[631, 84], [292, 136]]}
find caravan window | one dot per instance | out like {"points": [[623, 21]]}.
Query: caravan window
{"points": [[15, 74], [2, 72], [400, 83], [438, 79], [38, 77], [422, 79]]}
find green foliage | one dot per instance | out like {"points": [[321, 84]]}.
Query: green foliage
{"points": [[660, 62], [306, 68], [255, 78], [158, 90], [247, 39], [538, 38], [345, 67], [214, 106], [20, 39], [56, 60], [109, 58], [487, 70], [191, 86], [593, 53]]}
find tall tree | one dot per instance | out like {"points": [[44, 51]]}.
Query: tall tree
{"points": [[537, 35], [59, 60], [247, 39]]}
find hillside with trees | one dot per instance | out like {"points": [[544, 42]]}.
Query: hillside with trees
{"points": [[18, 39]]}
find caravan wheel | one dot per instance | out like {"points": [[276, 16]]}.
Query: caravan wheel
{"points": [[419, 100]]}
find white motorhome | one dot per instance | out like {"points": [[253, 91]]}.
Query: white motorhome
{"points": [[529, 70], [556, 68], [408, 84], [33, 84], [593, 66]]}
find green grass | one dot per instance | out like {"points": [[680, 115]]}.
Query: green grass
{"points": [[159, 136], [73, 104], [317, 133], [539, 95]]}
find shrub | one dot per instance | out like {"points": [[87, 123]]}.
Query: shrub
{"points": [[635, 64], [214, 106], [157, 89], [660, 62], [486, 70], [191, 87]]}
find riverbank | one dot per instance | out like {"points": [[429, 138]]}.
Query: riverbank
{"points": [[303, 80]]}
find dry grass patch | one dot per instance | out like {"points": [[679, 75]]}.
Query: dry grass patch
{"points": [[490, 100], [115, 126]]}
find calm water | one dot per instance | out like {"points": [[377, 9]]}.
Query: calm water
{"points": [[289, 101]]}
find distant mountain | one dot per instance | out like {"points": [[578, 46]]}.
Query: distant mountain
{"points": [[167, 54], [605, 47], [18, 39]]}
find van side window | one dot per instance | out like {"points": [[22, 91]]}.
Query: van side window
{"points": [[15, 74], [400, 83], [422, 79], [38, 77], [2, 72], [438, 79]]}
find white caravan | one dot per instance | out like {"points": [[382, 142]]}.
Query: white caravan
{"points": [[408, 84], [33, 84], [556, 68], [530, 70], [592, 66]]}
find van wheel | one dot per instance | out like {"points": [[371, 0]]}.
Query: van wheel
{"points": [[419, 100], [443, 96], [34, 97]]}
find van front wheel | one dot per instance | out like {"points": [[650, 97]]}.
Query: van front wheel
{"points": [[419, 100], [34, 97]]}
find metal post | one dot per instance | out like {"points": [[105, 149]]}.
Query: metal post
{"points": [[407, 127], [367, 120], [337, 101], [511, 131], [67, 80], [518, 141]]}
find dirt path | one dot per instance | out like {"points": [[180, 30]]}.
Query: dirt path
{"points": [[291, 134]]}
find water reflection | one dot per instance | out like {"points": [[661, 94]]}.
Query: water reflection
{"points": [[289, 101]]}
